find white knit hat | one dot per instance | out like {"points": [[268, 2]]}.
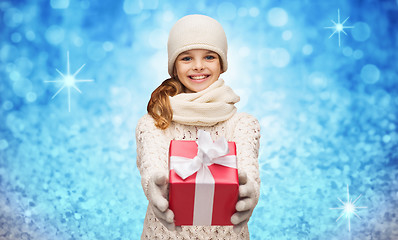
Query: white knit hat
{"points": [[197, 32]]}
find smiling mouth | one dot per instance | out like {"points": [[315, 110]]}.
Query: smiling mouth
{"points": [[199, 78]]}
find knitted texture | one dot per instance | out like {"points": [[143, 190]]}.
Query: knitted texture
{"points": [[196, 32], [205, 108], [152, 155]]}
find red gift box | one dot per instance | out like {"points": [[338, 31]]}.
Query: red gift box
{"points": [[202, 202]]}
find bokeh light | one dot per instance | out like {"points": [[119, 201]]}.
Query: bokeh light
{"points": [[361, 31], [277, 17]]}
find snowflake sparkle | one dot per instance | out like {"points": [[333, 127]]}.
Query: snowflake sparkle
{"points": [[348, 208], [69, 80], [339, 27]]}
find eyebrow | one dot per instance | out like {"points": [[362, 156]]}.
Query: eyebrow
{"points": [[187, 52], [210, 52]]}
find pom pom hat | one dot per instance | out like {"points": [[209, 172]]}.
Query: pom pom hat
{"points": [[196, 32]]}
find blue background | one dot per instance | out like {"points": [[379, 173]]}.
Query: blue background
{"points": [[328, 113]]}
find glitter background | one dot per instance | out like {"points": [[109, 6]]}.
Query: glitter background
{"points": [[328, 113]]}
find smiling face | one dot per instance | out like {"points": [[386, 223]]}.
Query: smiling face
{"points": [[197, 69]]}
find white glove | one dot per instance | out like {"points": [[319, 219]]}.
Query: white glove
{"points": [[245, 205], [157, 196]]}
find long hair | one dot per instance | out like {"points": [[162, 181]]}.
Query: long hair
{"points": [[159, 105]]}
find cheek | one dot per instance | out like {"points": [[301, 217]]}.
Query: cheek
{"points": [[180, 74], [180, 69], [177, 70], [216, 67], [217, 70]]}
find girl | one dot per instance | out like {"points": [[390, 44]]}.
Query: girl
{"points": [[193, 99]]}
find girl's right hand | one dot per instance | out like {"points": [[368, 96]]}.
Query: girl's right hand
{"points": [[157, 193]]}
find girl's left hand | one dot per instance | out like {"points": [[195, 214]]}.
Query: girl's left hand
{"points": [[245, 205]]}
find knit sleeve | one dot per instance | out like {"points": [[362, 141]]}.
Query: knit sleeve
{"points": [[247, 139], [152, 150]]}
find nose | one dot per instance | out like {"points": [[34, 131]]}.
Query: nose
{"points": [[198, 65]]}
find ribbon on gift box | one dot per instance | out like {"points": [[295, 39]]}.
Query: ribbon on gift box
{"points": [[209, 153]]}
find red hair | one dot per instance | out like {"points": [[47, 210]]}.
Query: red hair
{"points": [[159, 105]]}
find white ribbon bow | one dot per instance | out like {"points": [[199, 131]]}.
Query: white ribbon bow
{"points": [[209, 153]]}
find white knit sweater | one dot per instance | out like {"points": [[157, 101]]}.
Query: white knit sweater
{"points": [[152, 155]]}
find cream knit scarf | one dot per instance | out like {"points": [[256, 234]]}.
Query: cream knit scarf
{"points": [[205, 108]]}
